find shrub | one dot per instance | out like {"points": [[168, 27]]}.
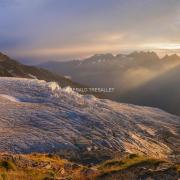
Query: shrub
{"points": [[112, 163], [8, 165], [132, 156]]}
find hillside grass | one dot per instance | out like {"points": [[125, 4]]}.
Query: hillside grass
{"points": [[116, 165], [52, 167]]}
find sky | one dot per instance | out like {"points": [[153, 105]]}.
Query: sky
{"points": [[35, 31]]}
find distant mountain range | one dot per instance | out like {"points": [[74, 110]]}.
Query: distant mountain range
{"points": [[140, 77]]}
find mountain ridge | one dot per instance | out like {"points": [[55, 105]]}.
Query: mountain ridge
{"points": [[150, 54], [12, 68]]}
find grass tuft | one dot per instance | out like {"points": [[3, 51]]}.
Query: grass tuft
{"points": [[8, 165]]}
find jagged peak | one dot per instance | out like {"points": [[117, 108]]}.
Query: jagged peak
{"points": [[174, 56], [107, 55], [171, 57], [143, 53]]}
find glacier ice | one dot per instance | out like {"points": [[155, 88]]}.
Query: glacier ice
{"points": [[37, 116]]}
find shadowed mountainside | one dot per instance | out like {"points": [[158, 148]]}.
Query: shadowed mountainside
{"points": [[12, 68], [162, 92]]}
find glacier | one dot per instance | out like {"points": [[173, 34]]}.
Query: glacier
{"points": [[39, 116]]}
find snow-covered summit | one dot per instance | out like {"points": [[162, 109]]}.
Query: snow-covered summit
{"points": [[36, 116]]}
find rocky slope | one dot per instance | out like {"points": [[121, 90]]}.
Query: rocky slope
{"points": [[36, 116], [12, 68]]}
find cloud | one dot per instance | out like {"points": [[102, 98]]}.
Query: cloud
{"points": [[89, 26], [8, 3]]}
